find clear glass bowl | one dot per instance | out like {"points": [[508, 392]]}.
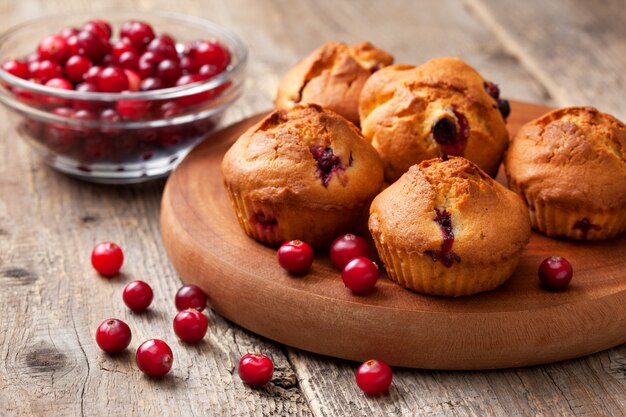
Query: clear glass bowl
{"points": [[118, 151]]}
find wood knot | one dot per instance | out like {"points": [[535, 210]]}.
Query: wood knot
{"points": [[45, 359], [19, 276], [88, 218]]}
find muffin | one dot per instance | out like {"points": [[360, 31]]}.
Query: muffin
{"points": [[447, 228], [305, 173], [570, 168], [443, 107], [332, 76]]}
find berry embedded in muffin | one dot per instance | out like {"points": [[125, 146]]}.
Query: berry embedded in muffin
{"points": [[305, 174], [569, 166], [447, 228], [443, 107], [332, 76]]}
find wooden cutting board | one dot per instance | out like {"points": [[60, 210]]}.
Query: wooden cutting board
{"points": [[517, 324]]}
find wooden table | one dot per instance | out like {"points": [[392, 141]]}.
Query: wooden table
{"points": [[561, 52]]}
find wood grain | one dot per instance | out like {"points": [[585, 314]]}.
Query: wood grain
{"points": [[48, 223]]}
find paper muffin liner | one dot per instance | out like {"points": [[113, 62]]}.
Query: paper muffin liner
{"points": [[575, 222], [418, 272], [274, 224]]}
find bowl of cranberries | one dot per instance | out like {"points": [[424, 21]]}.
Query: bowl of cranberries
{"points": [[118, 99]]}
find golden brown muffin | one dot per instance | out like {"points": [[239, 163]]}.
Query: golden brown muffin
{"points": [[443, 107], [570, 168], [447, 228], [304, 173], [332, 76]]}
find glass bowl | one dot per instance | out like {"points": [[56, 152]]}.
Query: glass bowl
{"points": [[84, 142]]}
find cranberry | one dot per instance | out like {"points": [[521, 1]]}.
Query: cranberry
{"points": [[327, 163], [60, 137], [169, 71], [148, 63], [16, 68], [98, 27], [134, 81], [190, 296], [347, 247], [76, 67], [140, 34], [446, 255], [132, 109], [360, 275], [208, 71], [255, 369], [193, 99], [190, 325], [189, 65], [374, 377], [107, 258], [96, 147], [81, 104], [68, 32], [90, 45], [296, 257], [164, 45], [61, 84], [54, 48], [113, 336], [121, 46], [169, 109], [128, 60], [93, 75], [555, 273], [109, 117], [112, 80], [47, 70], [151, 83], [211, 52], [504, 107], [137, 295], [154, 357]]}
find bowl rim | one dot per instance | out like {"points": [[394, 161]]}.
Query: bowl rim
{"points": [[237, 49]]}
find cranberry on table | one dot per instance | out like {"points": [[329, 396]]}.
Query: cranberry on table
{"points": [[137, 296], [154, 357], [555, 273], [255, 369], [360, 275], [76, 67], [140, 34], [347, 247], [374, 377], [16, 68], [190, 296], [296, 257], [107, 258], [54, 48], [190, 325], [113, 335]]}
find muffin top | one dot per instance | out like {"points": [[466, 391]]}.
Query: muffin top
{"points": [[443, 107], [452, 211], [332, 76], [306, 155], [570, 156]]}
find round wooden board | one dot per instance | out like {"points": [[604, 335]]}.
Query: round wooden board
{"points": [[518, 324]]}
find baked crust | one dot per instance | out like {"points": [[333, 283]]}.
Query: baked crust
{"points": [[400, 104], [332, 76]]}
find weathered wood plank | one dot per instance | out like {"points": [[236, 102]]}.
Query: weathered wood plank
{"points": [[575, 48]]}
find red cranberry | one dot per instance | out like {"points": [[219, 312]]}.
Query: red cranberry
{"points": [[154, 358], [90, 45], [255, 369], [107, 258], [140, 34], [134, 81], [374, 377], [360, 275], [132, 109], [93, 75], [81, 104], [16, 68], [190, 296], [112, 80], [76, 67], [164, 45], [60, 137], [113, 336], [98, 27], [555, 273], [208, 71], [68, 32], [121, 46], [148, 63], [169, 71], [151, 83], [96, 147], [169, 109], [190, 325], [137, 296], [327, 163], [61, 84], [296, 257], [110, 117], [211, 52], [128, 60], [47, 70], [54, 48], [193, 99], [189, 65], [347, 247]]}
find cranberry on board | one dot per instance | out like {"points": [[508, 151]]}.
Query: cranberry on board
{"points": [[137, 295], [360, 275], [54, 48], [113, 335], [190, 296], [190, 325], [295, 257], [374, 377], [555, 273], [107, 258], [255, 369], [16, 68], [154, 357], [347, 247]]}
